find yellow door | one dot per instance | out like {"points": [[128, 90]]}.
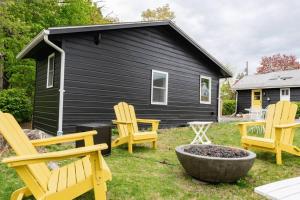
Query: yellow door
{"points": [[256, 99]]}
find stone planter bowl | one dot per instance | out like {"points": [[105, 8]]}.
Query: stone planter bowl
{"points": [[214, 169]]}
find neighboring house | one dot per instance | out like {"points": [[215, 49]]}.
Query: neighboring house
{"points": [[260, 90], [83, 71]]}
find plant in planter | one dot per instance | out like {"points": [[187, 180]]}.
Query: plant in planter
{"points": [[215, 163]]}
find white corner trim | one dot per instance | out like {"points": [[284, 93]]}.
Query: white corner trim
{"points": [[167, 87], [49, 57], [62, 83], [209, 78]]}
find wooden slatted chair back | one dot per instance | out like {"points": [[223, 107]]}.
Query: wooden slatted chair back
{"points": [[125, 113], [283, 112], [20, 143]]}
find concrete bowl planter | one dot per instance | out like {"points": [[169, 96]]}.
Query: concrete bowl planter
{"points": [[215, 169]]}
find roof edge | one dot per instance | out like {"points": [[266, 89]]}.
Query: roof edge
{"points": [[181, 32], [35, 41], [60, 30], [270, 87]]}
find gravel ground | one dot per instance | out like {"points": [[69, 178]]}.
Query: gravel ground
{"points": [[216, 151], [31, 134]]}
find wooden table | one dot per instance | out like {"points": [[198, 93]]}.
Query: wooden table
{"points": [[200, 129]]}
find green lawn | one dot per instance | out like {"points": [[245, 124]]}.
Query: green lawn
{"points": [[157, 174]]}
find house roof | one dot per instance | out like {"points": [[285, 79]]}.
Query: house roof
{"points": [[281, 79], [78, 29]]}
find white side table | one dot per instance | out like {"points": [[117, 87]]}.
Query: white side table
{"points": [[200, 129]]}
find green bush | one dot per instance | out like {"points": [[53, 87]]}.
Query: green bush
{"points": [[298, 111], [16, 102], [228, 107]]}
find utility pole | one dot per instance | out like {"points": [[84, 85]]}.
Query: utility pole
{"points": [[246, 69]]}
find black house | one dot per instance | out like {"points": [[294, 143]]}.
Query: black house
{"points": [[260, 90], [82, 71]]}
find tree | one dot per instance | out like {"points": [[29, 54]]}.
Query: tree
{"points": [[226, 91], [277, 62], [160, 13], [21, 20]]}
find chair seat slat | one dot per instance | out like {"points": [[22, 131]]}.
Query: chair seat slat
{"points": [[80, 176]]}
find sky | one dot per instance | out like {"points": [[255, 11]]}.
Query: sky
{"points": [[233, 31]]}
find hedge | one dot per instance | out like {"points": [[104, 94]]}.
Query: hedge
{"points": [[228, 107], [16, 102], [298, 111]]}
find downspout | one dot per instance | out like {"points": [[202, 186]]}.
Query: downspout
{"points": [[219, 101], [236, 103], [62, 82]]}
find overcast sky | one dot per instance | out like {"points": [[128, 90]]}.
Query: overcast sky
{"points": [[233, 31]]}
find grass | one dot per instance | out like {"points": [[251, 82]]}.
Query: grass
{"points": [[157, 174]]}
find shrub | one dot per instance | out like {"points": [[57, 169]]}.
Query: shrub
{"points": [[298, 111], [16, 102], [228, 107]]}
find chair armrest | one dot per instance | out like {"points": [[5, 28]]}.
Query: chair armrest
{"points": [[121, 122], [280, 128], [148, 121], [284, 126], [243, 126], [65, 138], [59, 155], [254, 123], [154, 122]]}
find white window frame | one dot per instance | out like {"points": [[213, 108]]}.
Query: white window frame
{"points": [[48, 68], [209, 78], [281, 89], [167, 88]]}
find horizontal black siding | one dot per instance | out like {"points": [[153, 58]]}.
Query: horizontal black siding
{"points": [[119, 69], [295, 94], [46, 101], [243, 101], [270, 96]]}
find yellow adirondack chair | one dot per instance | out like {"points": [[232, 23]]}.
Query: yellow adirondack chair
{"points": [[279, 131], [127, 125], [68, 182]]}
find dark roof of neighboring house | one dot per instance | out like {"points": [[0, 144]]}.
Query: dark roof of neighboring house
{"points": [[88, 28], [280, 79]]}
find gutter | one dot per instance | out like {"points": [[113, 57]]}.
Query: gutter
{"points": [[62, 82]]}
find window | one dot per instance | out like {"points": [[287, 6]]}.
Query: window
{"points": [[257, 96], [285, 94], [50, 70], [159, 89], [205, 90]]}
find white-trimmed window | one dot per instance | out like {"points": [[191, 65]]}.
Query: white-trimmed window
{"points": [[285, 94], [205, 89], [159, 88], [50, 70]]}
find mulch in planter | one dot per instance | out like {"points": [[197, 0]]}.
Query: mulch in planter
{"points": [[216, 151]]}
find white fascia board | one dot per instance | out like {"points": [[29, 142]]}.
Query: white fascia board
{"points": [[35, 41]]}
